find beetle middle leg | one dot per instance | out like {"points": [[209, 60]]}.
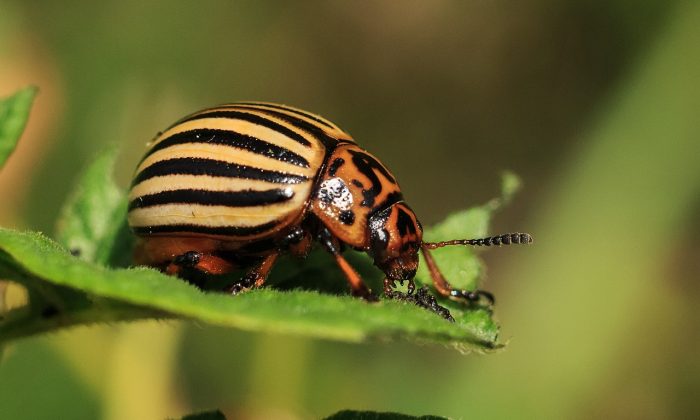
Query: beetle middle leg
{"points": [[446, 289], [256, 276], [204, 263]]}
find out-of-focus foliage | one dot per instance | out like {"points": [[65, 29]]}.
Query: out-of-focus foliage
{"points": [[593, 104], [92, 224], [14, 112]]}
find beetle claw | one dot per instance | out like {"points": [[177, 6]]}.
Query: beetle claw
{"points": [[422, 298], [411, 286], [472, 296], [390, 285]]}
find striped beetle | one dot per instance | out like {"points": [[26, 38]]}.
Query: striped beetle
{"points": [[236, 185]]}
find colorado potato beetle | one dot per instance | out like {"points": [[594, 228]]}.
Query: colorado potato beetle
{"points": [[237, 185]]}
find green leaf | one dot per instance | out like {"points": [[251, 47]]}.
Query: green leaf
{"points": [[459, 264], [14, 112], [373, 415], [150, 293], [92, 224]]}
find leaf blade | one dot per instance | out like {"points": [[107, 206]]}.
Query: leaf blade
{"points": [[86, 225], [14, 112], [299, 312]]}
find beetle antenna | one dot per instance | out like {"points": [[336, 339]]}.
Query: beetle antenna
{"points": [[505, 239]]}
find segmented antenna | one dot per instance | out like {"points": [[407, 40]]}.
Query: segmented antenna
{"points": [[505, 239]]}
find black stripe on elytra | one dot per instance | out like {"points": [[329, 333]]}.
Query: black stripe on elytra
{"points": [[233, 139], [255, 119], [328, 141], [245, 198], [217, 168], [206, 230], [285, 108]]}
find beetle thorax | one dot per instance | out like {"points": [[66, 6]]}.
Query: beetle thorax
{"points": [[353, 186], [360, 202]]}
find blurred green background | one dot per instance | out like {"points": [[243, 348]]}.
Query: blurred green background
{"points": [[594, 103]]}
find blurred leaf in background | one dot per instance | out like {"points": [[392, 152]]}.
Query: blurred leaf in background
{"points": [[14, 112], [593, 104]]}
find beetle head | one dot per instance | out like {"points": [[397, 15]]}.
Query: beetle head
{"points": [[395, 238]]}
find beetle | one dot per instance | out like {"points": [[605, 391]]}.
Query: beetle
{"points": [[237, 185]]}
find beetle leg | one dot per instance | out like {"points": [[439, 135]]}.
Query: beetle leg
{"points": [[358, 287], [390, 285], [445, 289], [204, 263], [256, 276]]}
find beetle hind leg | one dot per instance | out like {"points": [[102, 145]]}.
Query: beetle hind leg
{"points": [[208, 264], [198, 268]]}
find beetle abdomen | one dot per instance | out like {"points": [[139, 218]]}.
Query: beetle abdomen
{"points": [[241, 171]]}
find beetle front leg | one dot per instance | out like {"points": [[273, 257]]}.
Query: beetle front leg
{"points": [[357, 286], [446, 289], [390, 285]]}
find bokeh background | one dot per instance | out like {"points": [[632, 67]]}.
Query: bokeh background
{"points": [[595, 104]]}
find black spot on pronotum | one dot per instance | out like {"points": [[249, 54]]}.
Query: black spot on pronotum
{"points": [[337, 163], [404, 223], [347, 217], [76, 252], [367, 164], [379, 236]]}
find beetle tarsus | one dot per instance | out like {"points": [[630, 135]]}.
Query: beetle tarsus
{"points": [[390, 285], [246, 283], [255, 277], [472, 296], [423, 299]]}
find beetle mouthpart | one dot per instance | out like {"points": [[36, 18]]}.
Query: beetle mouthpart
{"points": [[504, 239]]}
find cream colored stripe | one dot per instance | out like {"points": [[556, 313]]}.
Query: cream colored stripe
{"points": [[212, 216], [250, 129], [210, 183], [227, 154]]}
